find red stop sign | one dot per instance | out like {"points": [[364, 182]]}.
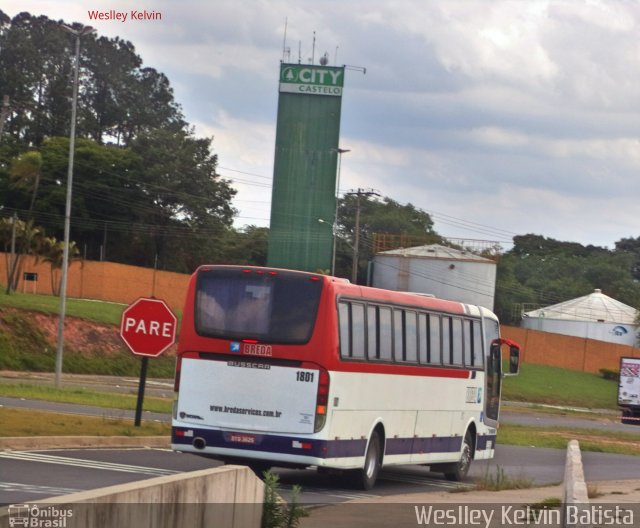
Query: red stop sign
{"points": [[148, 327]]}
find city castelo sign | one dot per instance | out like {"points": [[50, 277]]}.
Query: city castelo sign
{"points": [[311, 80]]}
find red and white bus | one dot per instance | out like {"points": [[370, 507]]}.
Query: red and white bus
{"points": [[286, 368]]}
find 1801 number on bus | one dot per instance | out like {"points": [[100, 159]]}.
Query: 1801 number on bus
{"points": [[304, 376]]}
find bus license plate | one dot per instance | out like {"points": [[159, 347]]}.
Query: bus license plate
{"points": [[242, 438]]}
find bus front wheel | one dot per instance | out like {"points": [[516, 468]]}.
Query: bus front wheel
{"points": [[365, 478], [458, 471]]}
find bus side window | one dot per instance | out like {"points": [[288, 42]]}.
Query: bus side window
{"points": [[477, 345], [344, 319], [373, 351], [447, 354], [467, 328], [358, 335], [423, 338], [398, 335], [385, 341], [411, 337], [456, 341], [435, 341]]}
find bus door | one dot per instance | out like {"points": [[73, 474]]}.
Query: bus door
{"points": [[494, 375]]}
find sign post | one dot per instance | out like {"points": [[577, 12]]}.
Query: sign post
{"points": [[29, 276], [148, 328]]}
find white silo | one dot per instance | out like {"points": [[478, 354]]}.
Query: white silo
{"points": [[445, 272], [594, 316]]}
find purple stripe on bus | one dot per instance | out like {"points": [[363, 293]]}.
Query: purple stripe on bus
{"points": [[324, 448]]}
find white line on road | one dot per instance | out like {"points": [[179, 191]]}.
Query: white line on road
{"points": [[423, 481], [328, 492], [33, 488], [90, 464]]}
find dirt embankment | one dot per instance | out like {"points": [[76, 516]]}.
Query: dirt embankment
{"points": [[80, 335]]}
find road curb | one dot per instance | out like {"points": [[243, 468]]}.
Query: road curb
{"points": [[66, 442]]}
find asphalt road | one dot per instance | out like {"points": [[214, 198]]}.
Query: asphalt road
{"points": [[34, 475]]}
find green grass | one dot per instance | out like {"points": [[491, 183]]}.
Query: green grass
{"points": [[555, 386], [98, 311], [84, 397], [42, 359], [501, 481], [17, 422], [595, 440]]}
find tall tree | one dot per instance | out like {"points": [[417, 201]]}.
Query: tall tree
{"points": [[119, 98], [181, 183]]}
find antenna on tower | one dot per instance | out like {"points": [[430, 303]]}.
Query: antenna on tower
{"points": [[356, 68], [284, 40], [313, 49]]}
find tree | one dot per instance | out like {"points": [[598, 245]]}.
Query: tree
{"points": [[52, 252], [118, 98], [543, 271], [25, 239], [181, 189], [35, 66], [145, 189], [631, 246], [25, 173], [247, 246]]}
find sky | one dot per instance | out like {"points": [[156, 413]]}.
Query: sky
{"points": [[497, 117]]}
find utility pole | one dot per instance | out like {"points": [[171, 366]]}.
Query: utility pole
{"points": [[356, 236], [12, 267], [87, 30]]}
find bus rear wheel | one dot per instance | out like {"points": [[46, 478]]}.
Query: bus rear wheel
{"points": [[457, 471], [366, 477]]}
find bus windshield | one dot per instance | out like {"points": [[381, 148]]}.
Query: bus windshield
{"points": [[272, 307]]}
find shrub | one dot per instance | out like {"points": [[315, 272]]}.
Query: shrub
{"points": [[610, 374]]}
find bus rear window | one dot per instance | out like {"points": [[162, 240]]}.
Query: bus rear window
{"points": [[278, 307]]}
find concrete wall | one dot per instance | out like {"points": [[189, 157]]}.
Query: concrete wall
{"points": [[569, 352], [227, 496], [104, 281], [575, 493]]}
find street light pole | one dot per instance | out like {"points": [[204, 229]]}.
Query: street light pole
{"points": [[67, 215], [340, 152]]}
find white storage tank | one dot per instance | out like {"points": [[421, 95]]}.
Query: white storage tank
{"points": [[445, 272], [594, 316]]}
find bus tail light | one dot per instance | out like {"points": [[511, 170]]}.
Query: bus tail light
{"points": [[322, 400]]}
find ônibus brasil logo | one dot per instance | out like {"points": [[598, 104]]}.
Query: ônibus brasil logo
{"points": [[34, 516]]}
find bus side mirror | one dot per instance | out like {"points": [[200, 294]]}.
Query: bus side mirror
{"points": [[514, 360]]}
